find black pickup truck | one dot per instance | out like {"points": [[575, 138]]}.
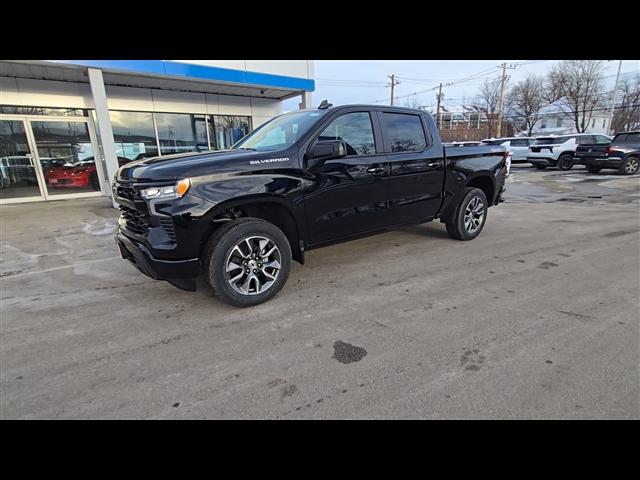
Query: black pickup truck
{"points": [[303, 180], [623, 154]]}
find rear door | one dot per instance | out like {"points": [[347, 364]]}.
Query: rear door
{"points": [[349, 196], [416, 167]]}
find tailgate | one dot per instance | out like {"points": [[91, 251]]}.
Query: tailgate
{"points": [[591, 151]]}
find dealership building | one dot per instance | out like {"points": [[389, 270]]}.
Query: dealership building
{"points": [[66, 126]]}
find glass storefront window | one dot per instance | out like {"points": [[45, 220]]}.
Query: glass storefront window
{"points": [[66, 155], [226, 130], [67, 112], [180, 133], [134, 135], [17, 171]]}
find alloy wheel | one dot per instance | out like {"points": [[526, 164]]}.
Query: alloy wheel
{"points": [[473, 215], [253, 265]]}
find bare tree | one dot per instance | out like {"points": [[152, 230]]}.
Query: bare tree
{"points": [[627, 113], [412, 102], [576, 87], [487, 102], [525, 101]]}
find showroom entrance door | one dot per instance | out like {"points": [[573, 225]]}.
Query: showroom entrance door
{"points": [[46, 158]]}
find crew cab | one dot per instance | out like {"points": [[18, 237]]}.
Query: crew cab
{"points": [[237, 218], [558, 151], [623, 154]]}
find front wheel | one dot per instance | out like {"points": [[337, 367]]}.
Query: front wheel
{"points": [[470, 216], [247, 261], [629, 166], [565, 162]]}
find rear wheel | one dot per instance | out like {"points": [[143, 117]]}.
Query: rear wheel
{"points": [[470, 216], [593, 169], [630, 166], [565, 162], [247, 261]]}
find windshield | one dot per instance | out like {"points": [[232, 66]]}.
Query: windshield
{"points": [[627, 138], [281, 132]]}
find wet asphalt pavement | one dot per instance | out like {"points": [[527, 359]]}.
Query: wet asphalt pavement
{"points": [[536, 318]]}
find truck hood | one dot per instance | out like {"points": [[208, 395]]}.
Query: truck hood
{"points": [[171, 167]]}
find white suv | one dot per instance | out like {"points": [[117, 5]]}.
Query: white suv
{"points": [[518, 146], [557, 151]]}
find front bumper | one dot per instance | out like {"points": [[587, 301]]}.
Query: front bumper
{"points": [[155, 268]]}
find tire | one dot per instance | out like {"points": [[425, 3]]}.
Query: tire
{"points": [[540, 167], [594, 169], [630, 165], [457, 228], [565, 162], [229, 247]]}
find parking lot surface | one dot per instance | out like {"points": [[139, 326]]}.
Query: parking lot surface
{"points": [[536, 318]]}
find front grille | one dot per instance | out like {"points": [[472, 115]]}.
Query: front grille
{"points": [[136, 221], [128, 192]]}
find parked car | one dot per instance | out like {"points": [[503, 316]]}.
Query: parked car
{"points": [[558, 151], [303, 180], [82, 174], [623, 154], [518, 146]]}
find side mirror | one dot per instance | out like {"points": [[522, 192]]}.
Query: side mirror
{"points": [[320, 152]]}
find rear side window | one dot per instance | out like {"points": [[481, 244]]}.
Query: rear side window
{"points": [[356, 131], [586, 139], [627, 138], [519, 142], [404, 131]]}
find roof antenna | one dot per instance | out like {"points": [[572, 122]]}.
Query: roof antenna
{"points": [[324, 105]]}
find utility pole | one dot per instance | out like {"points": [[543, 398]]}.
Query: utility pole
{"points": [[438, 108], [393, 83], [501, 106], [613, 100]]}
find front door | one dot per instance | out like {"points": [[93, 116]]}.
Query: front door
{"points": [[349, 194], [19, 177], [44, 158]]}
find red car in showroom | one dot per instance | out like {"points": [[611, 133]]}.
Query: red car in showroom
{"points": [[82, 174]]}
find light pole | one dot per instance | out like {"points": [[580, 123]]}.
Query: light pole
{"points": [[613, 99]]}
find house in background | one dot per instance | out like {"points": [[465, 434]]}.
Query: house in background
{"points": [[461, 123], [554, 122]]}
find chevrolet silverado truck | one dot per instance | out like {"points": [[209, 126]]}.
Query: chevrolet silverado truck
{"points": [[622, 154], [237, 218]]}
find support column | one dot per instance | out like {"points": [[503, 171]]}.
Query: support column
{"points": [[306, 98], [104, 127]]}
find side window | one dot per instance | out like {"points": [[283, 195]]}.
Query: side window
{"points": [[519, 143], [355, 130], [404, 131]]}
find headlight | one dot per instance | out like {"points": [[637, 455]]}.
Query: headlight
{"points": [[167, 193]]}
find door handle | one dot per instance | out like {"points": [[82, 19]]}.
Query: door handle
{"points": [[375, 170], [434, 164]]}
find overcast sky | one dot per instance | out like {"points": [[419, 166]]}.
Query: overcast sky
{"points": [[346, 81]]}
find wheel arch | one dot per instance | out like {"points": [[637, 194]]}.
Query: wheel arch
{"points": [[271, 208]]}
